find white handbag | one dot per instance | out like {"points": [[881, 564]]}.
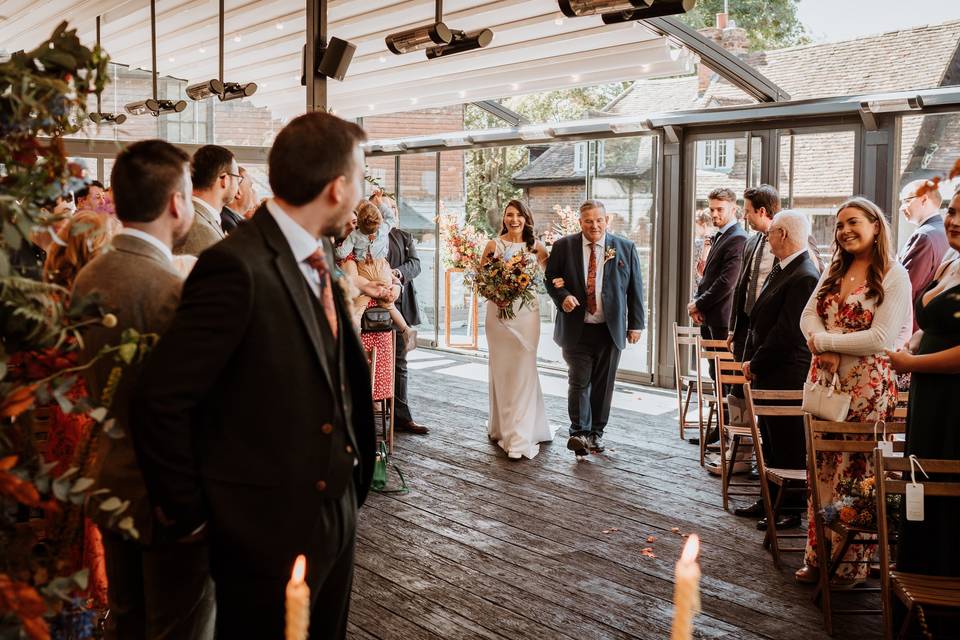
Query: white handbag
{"points": [[824, 399]]}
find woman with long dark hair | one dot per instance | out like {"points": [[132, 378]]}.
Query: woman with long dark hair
{"points": [[860, 308], [518, 418]]}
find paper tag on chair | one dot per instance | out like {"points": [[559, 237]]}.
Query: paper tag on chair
{"points": [[886, 448], [914, 502]]}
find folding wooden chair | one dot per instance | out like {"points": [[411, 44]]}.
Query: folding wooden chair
{"points": [[788, 480], [380, 347], [707, 389], [840, 437], [684, 343], [914, 590], [730, 372]]}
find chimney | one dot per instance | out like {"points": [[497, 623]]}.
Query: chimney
{"points": [[727, 35]]}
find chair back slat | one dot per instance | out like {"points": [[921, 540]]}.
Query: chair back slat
{"points": [[929, 465], [777, 394], [948, 489], [716, 345], [857, 428], [777, 410]]}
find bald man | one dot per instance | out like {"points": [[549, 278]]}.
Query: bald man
{"points": [[924, 250]]}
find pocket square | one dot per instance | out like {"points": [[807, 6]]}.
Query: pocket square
{"points": [[620, 263]]}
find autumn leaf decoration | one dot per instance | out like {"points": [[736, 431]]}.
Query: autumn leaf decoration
{"points": [[932, 184]]}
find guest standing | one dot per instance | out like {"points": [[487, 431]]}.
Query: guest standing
{"points": [[256, 407], [930, 547], [860, 308], [405, 263], [216, 180], [926, 246], [712, 304], [232, 213], [158, 588], [776, 354]]}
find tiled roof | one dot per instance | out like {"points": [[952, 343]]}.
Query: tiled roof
{"points": [[656, 96], [555, 165]]}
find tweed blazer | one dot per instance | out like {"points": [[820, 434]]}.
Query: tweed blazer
{"points": [[205, 232]]}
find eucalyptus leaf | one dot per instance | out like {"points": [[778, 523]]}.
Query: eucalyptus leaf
{"points": [[111, 429], [127, 352], [110, 504], [81, 579], [98, 414], [68, 473], [81, 485], [61, 490]]}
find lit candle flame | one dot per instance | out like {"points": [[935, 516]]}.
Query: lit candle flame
{"points": [[691, 550], [299, 569]]}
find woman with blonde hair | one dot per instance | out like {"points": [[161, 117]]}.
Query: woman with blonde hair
{"points": [[860, 308], [82, 238]]}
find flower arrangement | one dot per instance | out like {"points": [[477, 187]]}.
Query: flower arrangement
{"points": [[568, 224], [505, 281], [856, 505], [462, 244]]}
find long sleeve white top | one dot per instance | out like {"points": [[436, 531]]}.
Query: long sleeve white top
{"points": [[889, 319]]}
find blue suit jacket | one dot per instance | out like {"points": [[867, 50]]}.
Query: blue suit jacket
{"points": [[621, 297]]}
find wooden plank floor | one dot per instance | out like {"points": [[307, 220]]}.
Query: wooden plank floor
{"points": [[483, 547]]}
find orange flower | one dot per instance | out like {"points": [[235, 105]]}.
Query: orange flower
{"points": [[847, 515], [26, 603], [17, 401]]}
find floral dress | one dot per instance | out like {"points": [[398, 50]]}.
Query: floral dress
{"points": [[872, 385]]}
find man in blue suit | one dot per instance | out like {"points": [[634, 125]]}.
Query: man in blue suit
{"points": [[594, 278]]}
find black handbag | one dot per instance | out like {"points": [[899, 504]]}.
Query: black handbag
{"points": [[376, 320]]}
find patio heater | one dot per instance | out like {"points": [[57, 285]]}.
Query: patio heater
{"points": [[217, 87], [154, 105], [100, 117], [614, 11], [658, 9], [421, 37]]}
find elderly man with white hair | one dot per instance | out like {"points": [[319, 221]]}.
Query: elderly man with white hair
{"points": [[776, 354], [925, 248]]}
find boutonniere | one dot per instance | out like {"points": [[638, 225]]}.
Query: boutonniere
{"points": [[609, 255]]}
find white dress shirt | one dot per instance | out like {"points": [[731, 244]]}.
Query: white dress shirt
{"points": [[598, 317], [214, 214], [149, 239], [790, 258], [302, 244]]}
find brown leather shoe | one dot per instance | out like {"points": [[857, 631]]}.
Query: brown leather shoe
{"points": [[413, 427], [807, 574]]}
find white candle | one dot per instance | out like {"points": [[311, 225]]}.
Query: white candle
{"points": [[298, 602], [686, 591]]}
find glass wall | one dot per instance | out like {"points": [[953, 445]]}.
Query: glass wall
{"points": [[929, 146], [416, 190]]}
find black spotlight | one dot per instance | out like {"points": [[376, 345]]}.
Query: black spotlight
{"points": [[578, 8], [108, 118], [658, 9], [462, 41]]}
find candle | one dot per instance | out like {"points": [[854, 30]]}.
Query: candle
{"points": [[686, 591], [298, 602]]}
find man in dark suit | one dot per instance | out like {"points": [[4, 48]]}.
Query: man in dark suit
{"points": [[256, 405], [215, 182], [403, 259], [713, 301], [156, 588], [776, 354], [925, 248], [231, 216], [594, 279]]}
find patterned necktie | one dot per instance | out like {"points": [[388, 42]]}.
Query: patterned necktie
{"points": [[318, 261], [774, 274], [755, 276], [592, 280]]}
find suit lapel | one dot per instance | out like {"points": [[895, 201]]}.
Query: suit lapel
{"points": [[766, 292], [607, 245], [296, 285], [578, 258]]}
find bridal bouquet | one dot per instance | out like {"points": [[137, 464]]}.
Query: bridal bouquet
{"points": [[504, 281]]}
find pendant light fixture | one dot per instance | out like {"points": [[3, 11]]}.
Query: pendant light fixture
{"points": [[154, 105], [217, 87], [99, 116]]}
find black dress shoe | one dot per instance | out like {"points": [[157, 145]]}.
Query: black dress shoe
{"points": [[413, 427], [713, 435], [753, 511], [789, 521], [579, 445], [596, 443]]}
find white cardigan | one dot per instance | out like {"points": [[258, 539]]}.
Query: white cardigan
{"points": [[892, 320]]}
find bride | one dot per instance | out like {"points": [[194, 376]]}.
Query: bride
{"points": [[518, 419]]}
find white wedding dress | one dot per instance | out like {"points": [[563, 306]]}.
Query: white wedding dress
{"points": [[518, 418]]}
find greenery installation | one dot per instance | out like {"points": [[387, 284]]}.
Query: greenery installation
{"points": [[43, 97]]}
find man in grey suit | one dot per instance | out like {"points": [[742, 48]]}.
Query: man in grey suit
{"points": [[926, 246], [157, 588], [216, 180]]}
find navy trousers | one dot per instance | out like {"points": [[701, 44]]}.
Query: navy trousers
{"points": [[591, 373]]}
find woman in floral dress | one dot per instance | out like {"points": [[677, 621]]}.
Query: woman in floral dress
{"points": [[860, 308]]}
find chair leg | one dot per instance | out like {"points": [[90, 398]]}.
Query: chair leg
{"points": [[728, 472], [685, 407], [823, 589], [390, 445], [905, 627], [772, 512]]}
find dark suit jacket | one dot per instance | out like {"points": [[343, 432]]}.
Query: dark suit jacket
{"points": [[253, 416], [403, 257], [621, 297], [776, 347], [922, 254], [137, 283], [714, 297], [230, 219]]}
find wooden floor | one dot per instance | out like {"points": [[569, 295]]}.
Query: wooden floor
{"points": [[483, 547]]}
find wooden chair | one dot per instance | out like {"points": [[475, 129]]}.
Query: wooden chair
{"points": [[914, 590], [788, 480], [706, 389], [730, 372], [684, 343], [840, 437]]}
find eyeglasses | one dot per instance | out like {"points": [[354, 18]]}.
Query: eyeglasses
{"points": [[235, 175], [908, 199]]}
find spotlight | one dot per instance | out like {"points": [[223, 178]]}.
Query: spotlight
{"points": [[578, 8], [656, 10], [108, 118], [223, 90], [155, 107], [462, 41], [419, 38]]}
